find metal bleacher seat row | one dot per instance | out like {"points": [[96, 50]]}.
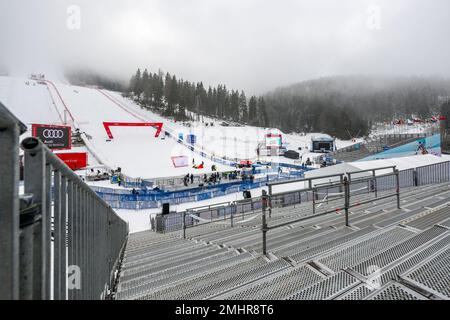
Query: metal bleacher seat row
{"points": [[385, 253]]}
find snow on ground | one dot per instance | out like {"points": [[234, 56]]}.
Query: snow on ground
{"points": [[233, 142], [134, 149], [401, 129], [31, 103], [137, 151]]}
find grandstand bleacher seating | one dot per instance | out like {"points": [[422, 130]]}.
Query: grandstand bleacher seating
{"points": [[385, 253]]}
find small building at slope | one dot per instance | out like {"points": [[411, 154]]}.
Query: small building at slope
{"points": [[322, 143]]}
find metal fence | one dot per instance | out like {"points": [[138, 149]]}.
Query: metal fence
{"points": [[348, 197], [230, 213], [59, 240], [414, 177]]}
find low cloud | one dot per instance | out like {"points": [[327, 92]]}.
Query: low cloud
{"points": [[251, 45]]}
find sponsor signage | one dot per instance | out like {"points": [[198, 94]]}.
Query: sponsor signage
{"points": [[273, 140], [74, 160], [53, 136], [191, 139]]}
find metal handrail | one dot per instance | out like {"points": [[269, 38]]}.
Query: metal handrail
{"points": [[10, 130], [345, 185], [64, 241]]}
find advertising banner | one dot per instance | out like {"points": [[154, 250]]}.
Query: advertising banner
{"points": [[74, 160], [53, 136], [273, 140]]}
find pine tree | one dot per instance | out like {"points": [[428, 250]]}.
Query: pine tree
{"points": [[252, 110], [243, 111], [136, 85], [168, 95], [158, 91], [234, 105], [263, 119], [146, 87]]}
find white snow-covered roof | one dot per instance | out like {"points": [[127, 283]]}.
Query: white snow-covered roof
{"points": [[402, 163], [322, 137], [336, 169]]}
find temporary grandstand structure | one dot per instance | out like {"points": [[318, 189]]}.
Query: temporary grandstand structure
{"points": [[387, 253]]}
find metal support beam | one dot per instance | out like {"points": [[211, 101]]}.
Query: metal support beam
{"points": [[35, 183], [397, 187], [10, 129], [347, 200]]}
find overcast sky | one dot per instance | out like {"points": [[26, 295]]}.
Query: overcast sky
{"points": [[253, 45]]}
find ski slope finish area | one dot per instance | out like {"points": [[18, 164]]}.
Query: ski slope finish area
{"points": [[134, 149]]}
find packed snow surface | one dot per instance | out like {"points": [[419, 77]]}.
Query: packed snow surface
{"points": [[135, 149]]}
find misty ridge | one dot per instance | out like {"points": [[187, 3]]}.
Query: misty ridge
{"points": [[353, 102], [342, 106]]}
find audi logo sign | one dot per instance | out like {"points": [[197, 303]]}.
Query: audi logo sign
{"points": [[53, 133], [53, 136]]}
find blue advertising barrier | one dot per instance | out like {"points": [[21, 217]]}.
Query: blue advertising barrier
{"points": [[146, 198], [431, 144]]}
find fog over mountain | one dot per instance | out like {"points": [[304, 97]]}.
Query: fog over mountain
{"points": [[251, 45]]}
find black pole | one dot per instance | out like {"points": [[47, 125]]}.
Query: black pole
{"points": [[375, 183], [347, 199], [314, 201], [184, 224], [397, 185], [264, 224], [231, 218], [270, 201]]}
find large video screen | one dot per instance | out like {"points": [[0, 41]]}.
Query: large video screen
{"points": [[273, 141]]}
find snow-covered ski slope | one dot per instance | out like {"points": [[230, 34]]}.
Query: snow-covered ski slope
{"points": [[31, 102], [234, 142], [135, 149]]}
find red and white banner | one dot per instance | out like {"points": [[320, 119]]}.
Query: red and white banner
{"points": [[74, 160]]}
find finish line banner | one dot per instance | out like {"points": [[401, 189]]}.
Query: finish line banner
{"points": [[53, 136]]}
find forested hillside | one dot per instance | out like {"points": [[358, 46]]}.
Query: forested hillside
{"points": [[171, 97], [342, 106]]}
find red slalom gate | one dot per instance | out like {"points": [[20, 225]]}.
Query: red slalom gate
{"points": [[158, 126], [74, 160]]}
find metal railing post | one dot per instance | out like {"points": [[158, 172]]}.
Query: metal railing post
{"points": [[347, 199], [264, 223], [397, 187], [231, 218], [10, 130], [57, 249], [415, 177], [35, 183], [184, 224], [63, 239], [270, 201], [313, 202], [375, 183]]}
